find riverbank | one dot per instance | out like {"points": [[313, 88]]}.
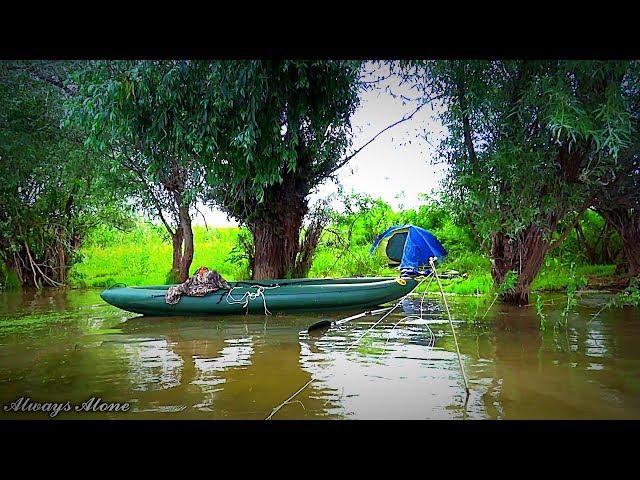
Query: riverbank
{"points": [[142, 257]]}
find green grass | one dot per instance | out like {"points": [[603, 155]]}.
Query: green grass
{"points": [[8, 280], [143, 257], [334, 262], [556, 277]]}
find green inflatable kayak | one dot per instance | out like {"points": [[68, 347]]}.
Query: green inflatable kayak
{"points": [[261, 296]]}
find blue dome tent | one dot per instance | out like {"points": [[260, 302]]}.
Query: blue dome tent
{"points": [[409, 248]]}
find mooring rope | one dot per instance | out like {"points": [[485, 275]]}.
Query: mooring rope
{"points": [[288, 400], [453, 330], [249, 295]]}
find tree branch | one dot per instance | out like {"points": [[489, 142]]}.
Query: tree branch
{"points": [[51, 80], [466, 124], [556, 243], [206, 226], [345, 160], [132, 168]]}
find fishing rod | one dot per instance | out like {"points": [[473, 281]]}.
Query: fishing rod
{"points": [[333, 323], [326, 323], [389, 310]]}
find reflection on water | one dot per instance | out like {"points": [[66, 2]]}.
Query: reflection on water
{"points": [[70, 346]]}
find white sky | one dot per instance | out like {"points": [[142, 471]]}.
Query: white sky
{"points": [[396, 167]]}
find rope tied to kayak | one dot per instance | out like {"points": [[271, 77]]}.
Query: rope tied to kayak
{"points": [[249, 295]]}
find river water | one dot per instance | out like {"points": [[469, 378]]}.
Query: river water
{"points": [[69, 346]]}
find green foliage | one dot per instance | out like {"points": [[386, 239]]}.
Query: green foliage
{"points": [[253, 121], [527, 144], [347, 240], [242, 254], [630, 297], [269, 122], [8, 280], [508, 285], [575, 283], [555, 273], [540, 313], [530, 122], [332, 262], [597, 242], [474, 284], [140, 256], [139, 116], [51, 191]]}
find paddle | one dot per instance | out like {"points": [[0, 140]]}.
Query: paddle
{"points": [[328, 323]]}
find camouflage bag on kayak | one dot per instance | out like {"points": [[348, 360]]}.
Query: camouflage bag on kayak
{"points": [[203, 282]]}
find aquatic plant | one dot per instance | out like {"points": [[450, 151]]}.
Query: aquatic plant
{"points": [[629, 297], [574, 285], [540, 313], [508, 284]]}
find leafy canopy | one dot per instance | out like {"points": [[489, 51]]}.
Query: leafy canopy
{"points": [[137, 114], [250, 123], [51, 190], [269, 121], [527, 140]]}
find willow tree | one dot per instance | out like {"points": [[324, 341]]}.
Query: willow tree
{"points": [[261, 134], [280, 128], [51, 192], [528, 145], [136, 115], [621, 208], [619, 200]]}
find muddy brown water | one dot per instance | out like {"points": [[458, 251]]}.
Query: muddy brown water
{"points": [[69, 346]]}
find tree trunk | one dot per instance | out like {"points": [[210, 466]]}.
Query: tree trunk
{"points": [[627, 224], [607, 257], [276, 247], [13, 269], [276, 230], [630, 245], [187, 253], [182, 243], [309, 245], [61, 258], [271, 259], [585, 244], [522, 255], [176, 240]]}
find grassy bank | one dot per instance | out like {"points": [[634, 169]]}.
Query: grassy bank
{"points": [[143, 257]]}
